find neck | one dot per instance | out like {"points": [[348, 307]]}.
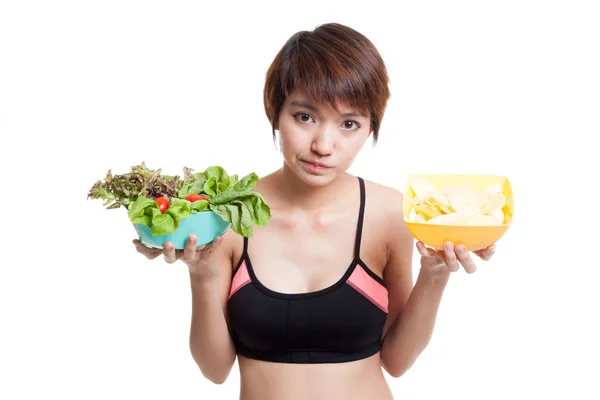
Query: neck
{"points": [[301, 195]]}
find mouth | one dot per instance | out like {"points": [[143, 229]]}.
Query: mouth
{"points": [[315, 165]]}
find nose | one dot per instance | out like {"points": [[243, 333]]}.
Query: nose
{"points": [[324, 141]]}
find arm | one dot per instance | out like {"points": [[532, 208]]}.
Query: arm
{"points": [[412, 310], [210, 341]]}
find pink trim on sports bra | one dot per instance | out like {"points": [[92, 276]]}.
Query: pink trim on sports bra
{"points": [[369, 287], [241, 279]]}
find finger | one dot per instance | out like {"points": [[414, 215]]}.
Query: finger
{"points": [[189, 251], [487, 253], [169, 252], [149, 253], [450, 257], [465, 259], [433, 262], [429, 257]]}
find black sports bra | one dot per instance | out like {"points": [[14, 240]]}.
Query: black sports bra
{"points": [[340, 323]]}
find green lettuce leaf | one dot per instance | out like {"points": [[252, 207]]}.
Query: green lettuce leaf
{"points": [[178, 211], [141, 210], [194, 186], [198, 206], [241, 188], [230, 214], [219, 174], [163, 224], [261, 209], [210, 186], [145, 211], [243, 212], [247, 183]]}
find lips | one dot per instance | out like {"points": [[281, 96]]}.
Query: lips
{"points": [[316, 164]]}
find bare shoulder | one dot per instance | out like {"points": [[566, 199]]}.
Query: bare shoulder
{"points": [[265, 186], [233, 243], [385, 201], [385, 206], [230, 249]]}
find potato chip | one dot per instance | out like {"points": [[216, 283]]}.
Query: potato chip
{"points": [[456, 205], [427, 210], [481, 219], [422, 189], [448, 219], [441, 201], [495, 188], [465, 200], [494, 202], [414, 217], [498, 214]]}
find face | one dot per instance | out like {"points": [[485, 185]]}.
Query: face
{"points": [[318, 143]]}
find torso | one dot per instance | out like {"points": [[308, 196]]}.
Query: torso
{"points": [[357, 380], [306, 252]]}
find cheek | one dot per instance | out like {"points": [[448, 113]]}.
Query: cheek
{"points": [[293, 139], [351, 147], [289, 144]]}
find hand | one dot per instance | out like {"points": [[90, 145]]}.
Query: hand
{"points": [[448, 260], [198, 259]]}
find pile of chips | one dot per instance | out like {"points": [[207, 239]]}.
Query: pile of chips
{"points": [[456, 205]]}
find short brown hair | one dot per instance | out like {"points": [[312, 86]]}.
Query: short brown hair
{"points": [[333, 63]]}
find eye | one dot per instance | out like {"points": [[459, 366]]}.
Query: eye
{"points": [[304, 117], [349, 123]]}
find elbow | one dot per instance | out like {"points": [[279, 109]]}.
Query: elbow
{"points": [[217, 379], [216, 376], [396, 365], [214, 367], [396, 371], [216, 372]]}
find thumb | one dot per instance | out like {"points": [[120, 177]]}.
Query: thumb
{"points": [[214, 244], [425, 251]]}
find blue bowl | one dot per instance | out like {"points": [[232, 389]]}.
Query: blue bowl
{"points": [[206, 225]]}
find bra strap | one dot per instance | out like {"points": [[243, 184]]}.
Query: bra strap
{"points": [[361, 216]]}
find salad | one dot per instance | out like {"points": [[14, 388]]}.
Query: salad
{"points": [[162, 201]]}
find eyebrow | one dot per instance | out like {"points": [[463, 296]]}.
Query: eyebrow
{"points": [[316, 110]]}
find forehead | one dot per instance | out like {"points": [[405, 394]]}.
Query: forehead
{"points": [[301, 98]]}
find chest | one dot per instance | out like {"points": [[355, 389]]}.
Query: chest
{"points": [[303, 254]]}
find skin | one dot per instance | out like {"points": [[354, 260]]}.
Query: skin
{"points": [[317, 210]]}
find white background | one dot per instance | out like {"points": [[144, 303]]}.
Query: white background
{"points": [[506, 87]]}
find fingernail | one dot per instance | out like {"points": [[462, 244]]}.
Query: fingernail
{"points": [[492, 249], [448, 246]]}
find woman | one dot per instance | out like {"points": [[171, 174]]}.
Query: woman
{"points": [[317, 302]]}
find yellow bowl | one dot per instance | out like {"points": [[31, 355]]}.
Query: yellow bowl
{"points": [[473, 237]]}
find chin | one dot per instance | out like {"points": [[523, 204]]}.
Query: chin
{"points": [[317, 180]]}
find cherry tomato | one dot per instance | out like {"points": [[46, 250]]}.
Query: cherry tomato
{"points": [[163, 204], [194, 197]]}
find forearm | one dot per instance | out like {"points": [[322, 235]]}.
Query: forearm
{"points": [[210, 342], [410, 334]]}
